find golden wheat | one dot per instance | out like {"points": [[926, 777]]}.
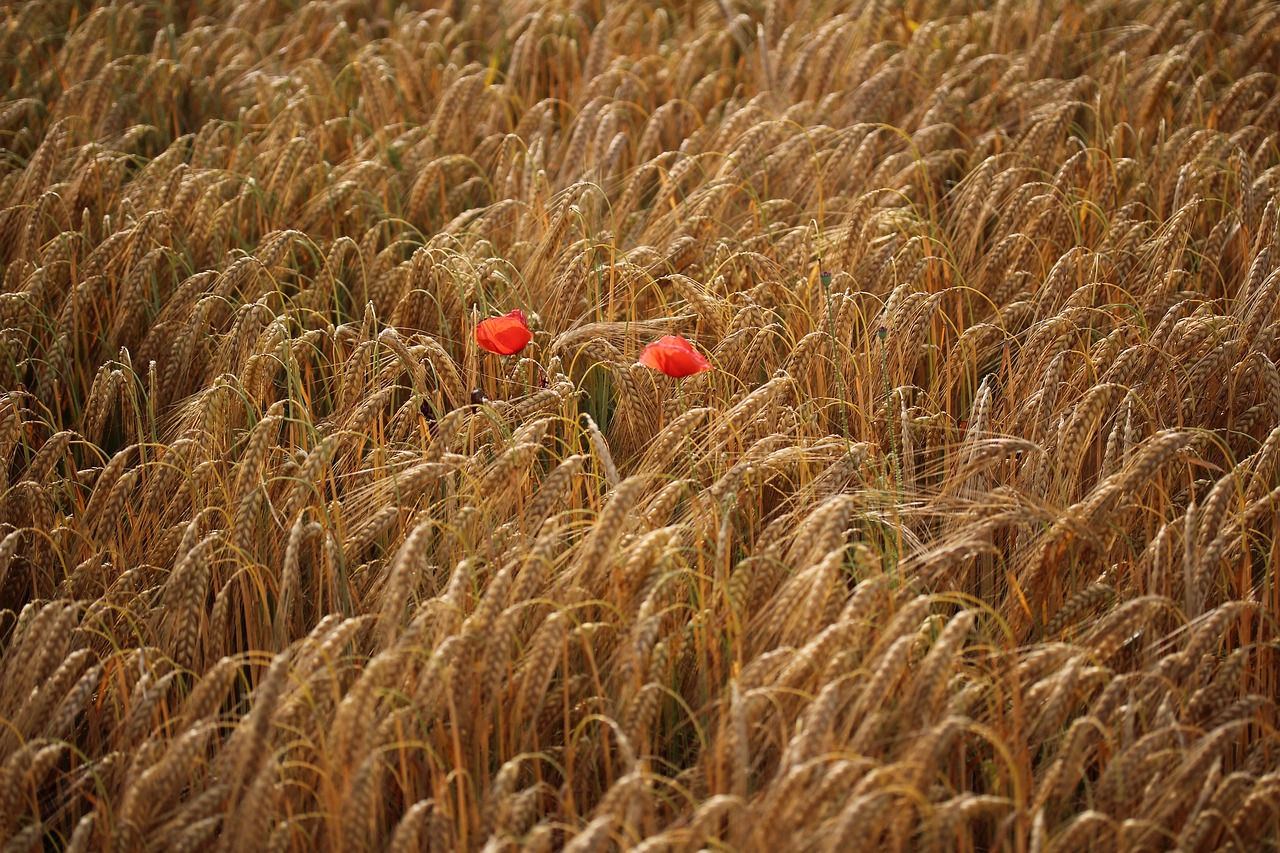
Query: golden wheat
{"points": [[968, 542]]}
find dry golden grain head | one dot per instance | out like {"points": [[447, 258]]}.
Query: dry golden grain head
{"points": [[540, 663]]}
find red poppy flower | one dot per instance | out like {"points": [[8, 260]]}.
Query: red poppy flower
{"points": [[674, 356], [505, 335]]}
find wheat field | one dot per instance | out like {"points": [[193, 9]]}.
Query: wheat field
{"points": [[969, 541]]}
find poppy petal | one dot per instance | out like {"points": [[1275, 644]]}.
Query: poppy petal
{"points": [[674, 356], [505, 335]]}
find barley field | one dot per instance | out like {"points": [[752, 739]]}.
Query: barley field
{"points": [[968, 541]]}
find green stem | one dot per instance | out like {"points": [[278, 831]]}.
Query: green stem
{"points": [[825, 278], [888, 408]]}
